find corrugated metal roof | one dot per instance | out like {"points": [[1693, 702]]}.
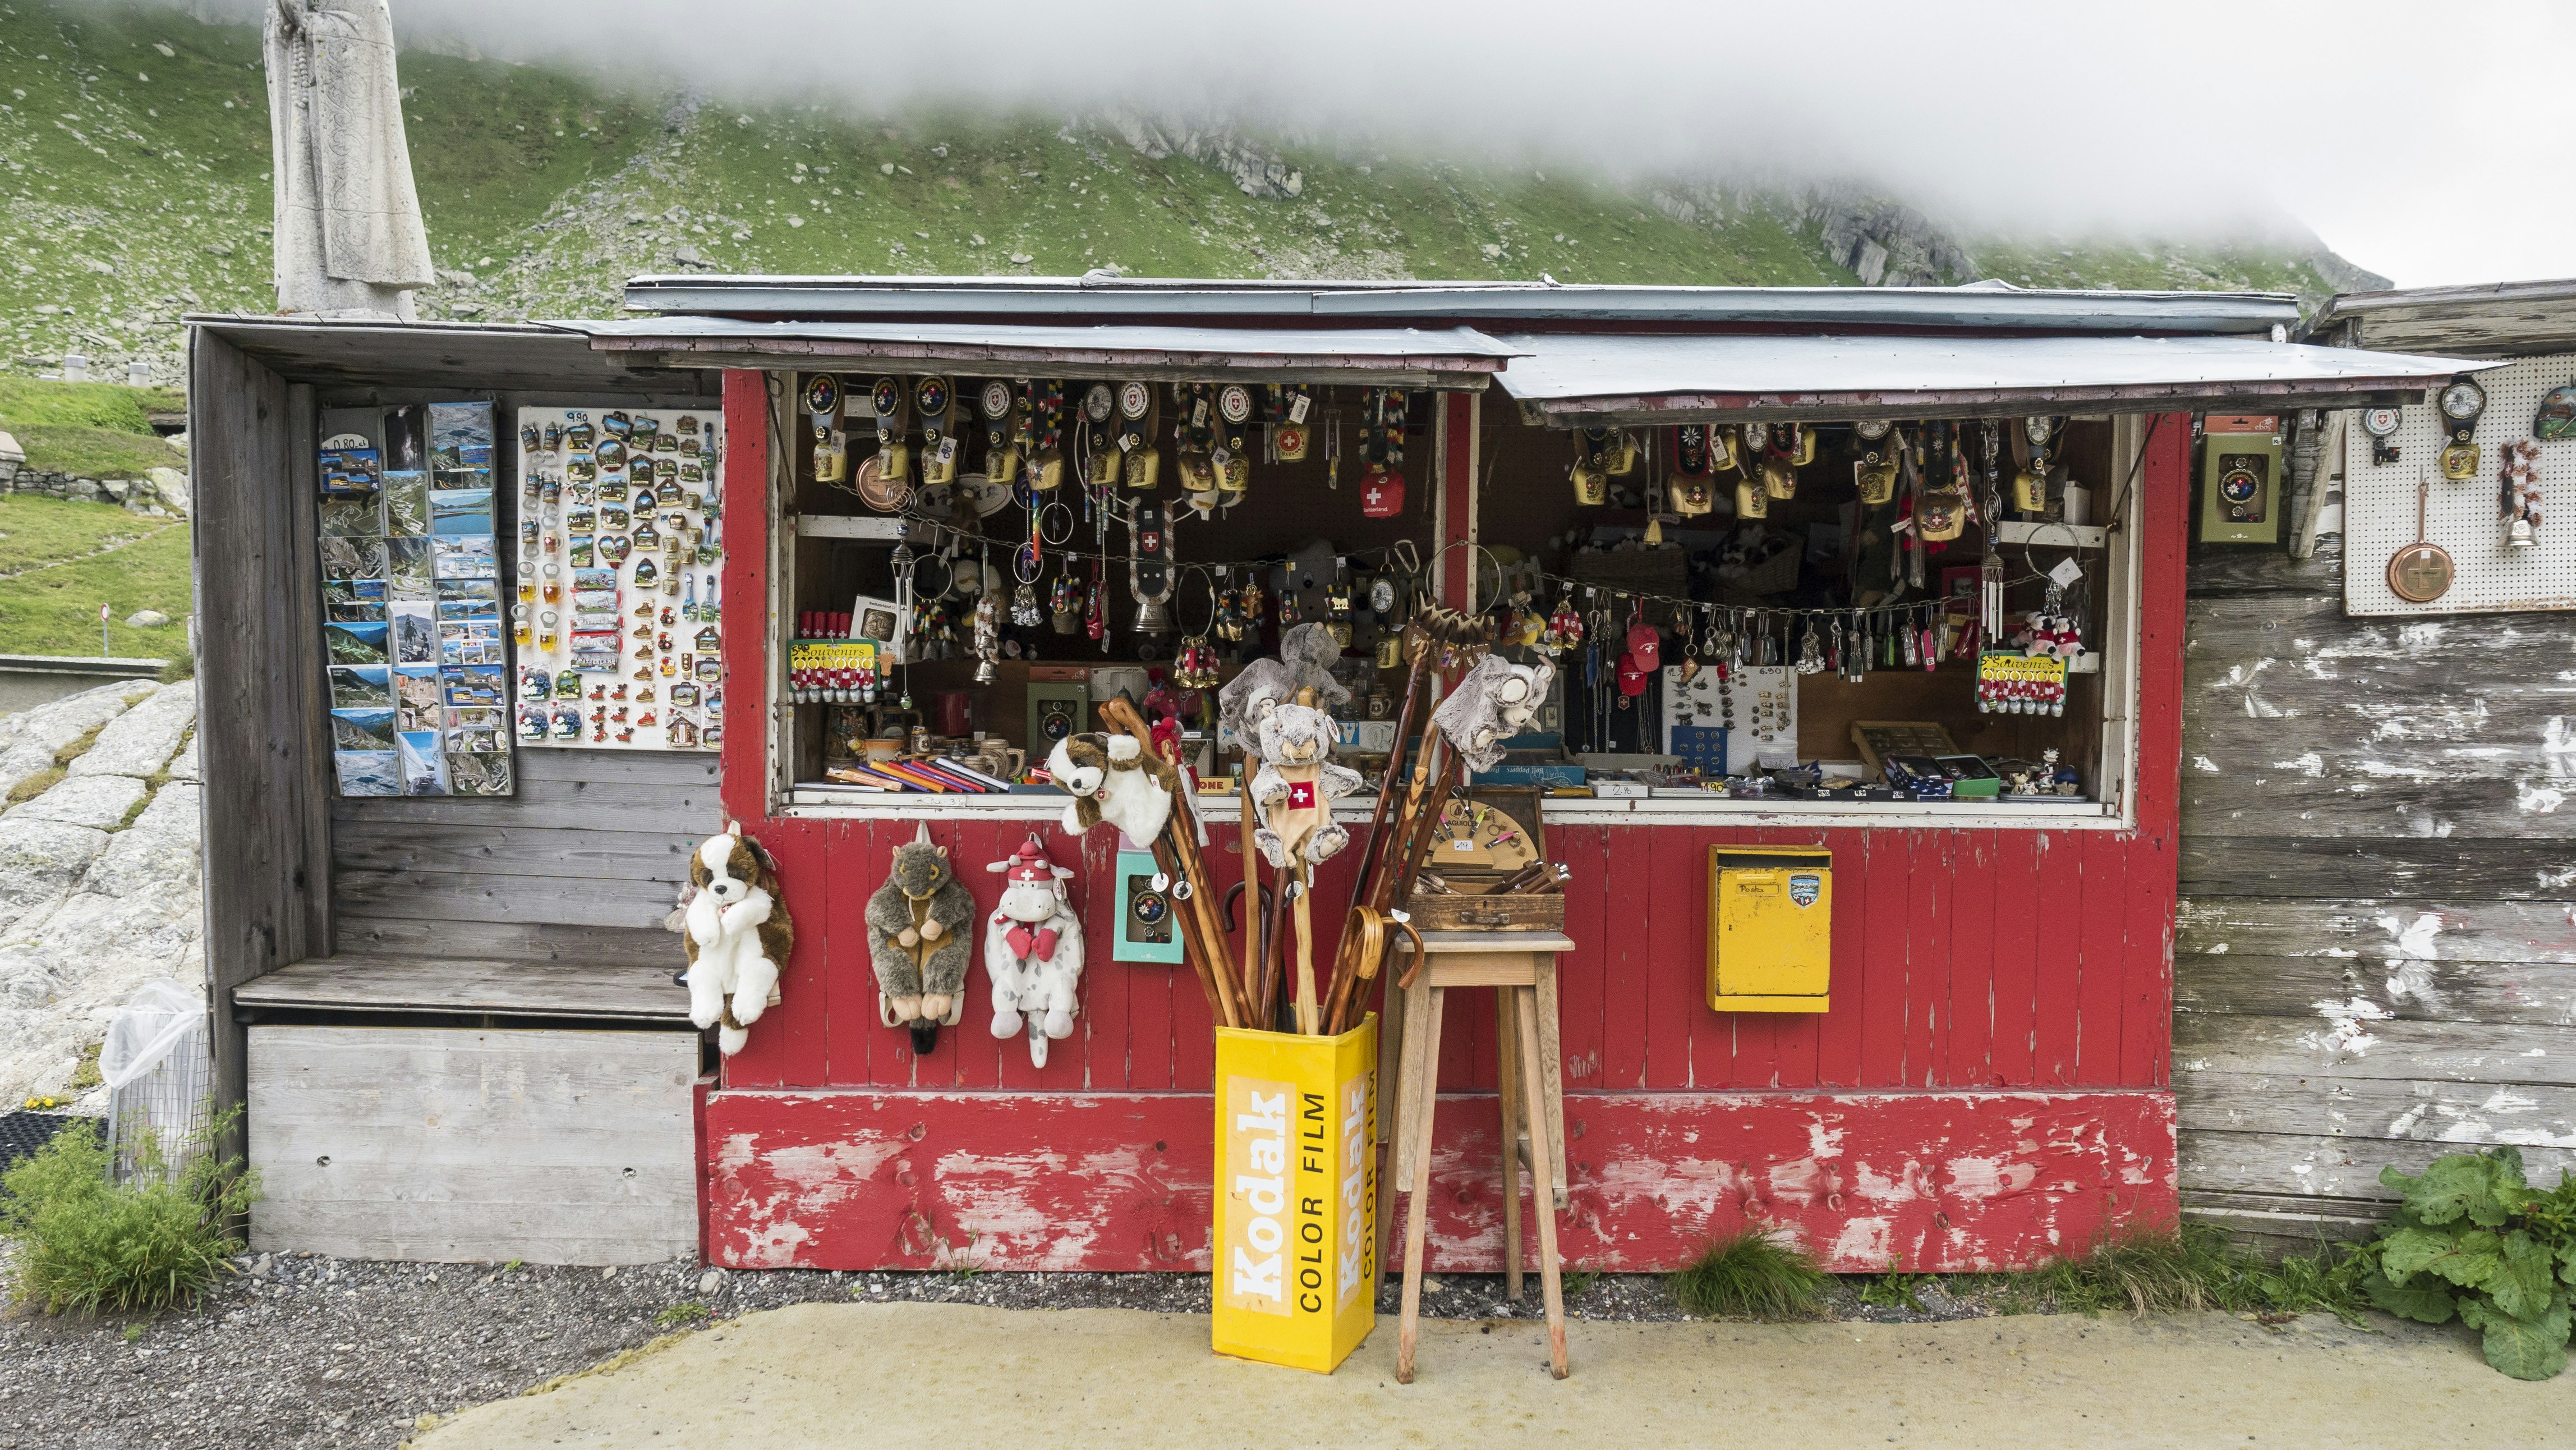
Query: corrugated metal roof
{"points": [[1566, 376], [1447, 357], [1981, 305]]}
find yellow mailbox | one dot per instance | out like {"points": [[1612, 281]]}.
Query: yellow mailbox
{"points": [[1770, 928]]}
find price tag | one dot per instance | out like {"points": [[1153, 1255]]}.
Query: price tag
{"points": [[2066, 572], [948, 450], [1297, 409], [1198, 414], [1220, 457], [1126, 442]]}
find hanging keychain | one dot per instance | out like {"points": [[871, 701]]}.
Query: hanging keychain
{"points": [[1990, 619]]}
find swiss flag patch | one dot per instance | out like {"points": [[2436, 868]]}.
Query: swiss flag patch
{"points": [[1301, 795]]}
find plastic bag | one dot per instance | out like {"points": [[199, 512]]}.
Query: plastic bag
{"points": [[158, 1019]]}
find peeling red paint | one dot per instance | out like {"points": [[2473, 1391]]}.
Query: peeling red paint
{"points": [[1923, 1181]]}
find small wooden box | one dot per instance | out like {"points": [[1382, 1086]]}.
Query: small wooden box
{"points": [[1471, 903]]}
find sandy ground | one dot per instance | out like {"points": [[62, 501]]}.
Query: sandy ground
{"points": [[889, 1375]]}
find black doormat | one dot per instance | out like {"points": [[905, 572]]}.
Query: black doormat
{"points": [[22, 1133]]}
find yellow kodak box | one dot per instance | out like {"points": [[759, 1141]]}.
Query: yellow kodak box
{"points": [[1296, 1195]]}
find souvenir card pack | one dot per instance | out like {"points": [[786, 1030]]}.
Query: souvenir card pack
{"points": [[613, 612], [411, 603]]}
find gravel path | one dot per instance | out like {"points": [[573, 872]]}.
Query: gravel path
{"points": [[300, 1352]]}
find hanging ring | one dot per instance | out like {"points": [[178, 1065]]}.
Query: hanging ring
{"points": [[1187, 569], [947, 570], [1027, 564], [1054, 506]]}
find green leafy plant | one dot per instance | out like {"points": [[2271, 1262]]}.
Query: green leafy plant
{"points": [[1750, 1276], [85, 1242], [2472, 1239], [1897, 1290], [682, 1314], [1575, 1283]]}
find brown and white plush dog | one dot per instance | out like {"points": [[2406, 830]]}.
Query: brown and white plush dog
{"points": [[737, 935], [1115, 779]]}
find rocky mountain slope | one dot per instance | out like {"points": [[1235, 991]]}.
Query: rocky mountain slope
{"points": [[99, 874], [135, 145]]}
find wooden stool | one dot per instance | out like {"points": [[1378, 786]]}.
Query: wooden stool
{"points": [[1521, 968]]}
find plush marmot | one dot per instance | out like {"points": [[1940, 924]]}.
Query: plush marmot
{"points": [[1114, 778], [918, 941], [736, 933], [1306, 655], [1496, 700], [1297, 784]]}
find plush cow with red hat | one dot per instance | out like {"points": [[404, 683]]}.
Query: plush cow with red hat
{"points": [[1033, 950]]}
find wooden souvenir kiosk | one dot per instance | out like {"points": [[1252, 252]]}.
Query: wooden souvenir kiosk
{"points": [[1975, 1073]]}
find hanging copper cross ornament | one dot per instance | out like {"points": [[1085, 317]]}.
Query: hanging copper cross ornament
{"points": [[2422, 571]]}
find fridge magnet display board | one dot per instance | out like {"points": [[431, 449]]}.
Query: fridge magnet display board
{"points": [[614, 579], [411, 603]]}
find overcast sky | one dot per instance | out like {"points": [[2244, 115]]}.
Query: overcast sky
{"points": [[2429, 143]]}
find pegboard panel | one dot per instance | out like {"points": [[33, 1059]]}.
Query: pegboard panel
{"points": [[2379, 505]]}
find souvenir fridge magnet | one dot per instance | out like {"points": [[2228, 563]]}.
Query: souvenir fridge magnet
{"points": [[2556, 419], [2461, 404]]}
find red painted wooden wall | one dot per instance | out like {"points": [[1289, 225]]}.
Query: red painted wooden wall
{"points": [[2032, 969]]}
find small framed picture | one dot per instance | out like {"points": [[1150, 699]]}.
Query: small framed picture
{"points": [[880, 620]]}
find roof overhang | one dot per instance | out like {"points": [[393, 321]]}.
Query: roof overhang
{"points": [[1102, 296], [2494, 319], [1450, 357], [1566, 380], [502, 356]]}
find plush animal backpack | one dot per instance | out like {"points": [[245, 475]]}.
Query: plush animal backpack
{"points": [[1114, 778], [1033, 950], [1297, 784], [1495, 701], [917, 940], [736, 933]]}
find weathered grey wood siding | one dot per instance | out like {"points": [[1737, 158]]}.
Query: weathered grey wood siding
{"points": [[2375, 959], [260, 681], [451, 1145], [581, 865]]}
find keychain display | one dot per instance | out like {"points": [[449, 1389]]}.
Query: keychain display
{"points": [[1382, 417], [2520, 505], [655, 499], [413, 619]]}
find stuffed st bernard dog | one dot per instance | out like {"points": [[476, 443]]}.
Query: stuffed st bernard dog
{"points": [[737, 935]]}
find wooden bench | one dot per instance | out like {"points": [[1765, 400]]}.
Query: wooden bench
{"points": [[392, 984]]}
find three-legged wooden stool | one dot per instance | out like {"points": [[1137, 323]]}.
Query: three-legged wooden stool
{"points": [[1521, 968]]}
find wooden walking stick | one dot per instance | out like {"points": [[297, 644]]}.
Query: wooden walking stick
{"points": [[1176, 854], [1252, 958], [1310, 1011]]}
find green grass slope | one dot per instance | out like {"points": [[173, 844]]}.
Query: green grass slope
{"points": [[134, 163]]}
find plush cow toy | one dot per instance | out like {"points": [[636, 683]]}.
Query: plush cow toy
{"points": [[737, 936], [1033, 950]]}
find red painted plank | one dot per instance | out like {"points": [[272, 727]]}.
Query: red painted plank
{"points": [[1927, 958], [2103, 963], [848, 977], [1932, 1182], [2018, 906], [1973, 891], [801, 1034], [1838, 1032], [1675, 1007], [1153, 990], [1728, 1049], [2146, 1028], [2058, 892], [1886, 861], [744, 579], [1099, 1041], [1579, 973], [1622, 884]]}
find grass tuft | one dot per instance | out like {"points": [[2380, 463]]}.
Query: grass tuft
{"points": [[682, 1314], [79, 745], [89, 1244], [1750, 1276], [2198, 1267], [35, 785]]}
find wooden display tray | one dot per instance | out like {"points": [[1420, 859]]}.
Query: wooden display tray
{"points": [[1471, 903], [1878, 739]]}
